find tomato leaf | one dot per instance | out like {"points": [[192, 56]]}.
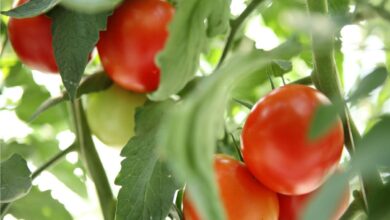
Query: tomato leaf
{"points": [[194, 21], [31, 8], [74, 37], [90, 6], [39, 205], [369, 83], [15, 179], [190, 131], [148, 185], [324, 117]]}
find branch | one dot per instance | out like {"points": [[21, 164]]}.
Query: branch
{"points": [[235, 25], [325, 78], [92, 161]]}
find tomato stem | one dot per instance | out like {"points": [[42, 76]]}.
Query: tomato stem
{"points": [[235, 25], [326, 79], [92, 161]]}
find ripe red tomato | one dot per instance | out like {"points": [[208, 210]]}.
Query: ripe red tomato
{"points": [[242, 195], [135, 33], [31, 39], [292, 207], [275, 141]]}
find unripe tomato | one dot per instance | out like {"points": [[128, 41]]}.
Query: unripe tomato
{"points": [[110, 114], [31, 39], [275, 142], [243, 197], [136, 31], [293, 207]]}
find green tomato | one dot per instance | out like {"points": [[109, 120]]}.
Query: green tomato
{"points": [[90, 6], [110, 114]]}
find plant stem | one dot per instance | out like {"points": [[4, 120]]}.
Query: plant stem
{"points": [[52, 161], [92, 161], [5, 206], [326, 79], [235, 25]]}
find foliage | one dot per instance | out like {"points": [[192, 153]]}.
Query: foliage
{"points": [[214, 68]]}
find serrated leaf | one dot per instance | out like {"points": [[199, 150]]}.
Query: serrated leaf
{"points": [[15, 179], [371, 151], [369, 83], [31, 8], [280, 67], [74, 37], [148, 186], [39, 205], [190, 131], [90, 6], [193, 22], [324, 118]]}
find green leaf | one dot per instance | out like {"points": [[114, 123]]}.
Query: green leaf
{"points": [[280, 67], [13, 147], [31, 99], [74, 37], [19, 76], [47, 104], [94, 83], [39, 205], [193, 22], [369, 83], [31, 8], [91, 6], [190, 131], [148, 186], [15, 180], [324, 118]]}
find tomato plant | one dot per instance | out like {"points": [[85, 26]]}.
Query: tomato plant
{"points": [[318, 70], [110, 114], [31, 39], [292, 207], [242, 195], [276, 146], [135, 33]]}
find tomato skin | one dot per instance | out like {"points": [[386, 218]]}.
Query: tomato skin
{"points": [[110, 114], [243, 197], [136, 31], [292, 207], [275, 145], [31, 39]]}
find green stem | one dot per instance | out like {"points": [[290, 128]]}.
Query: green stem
{"points": [[235, 25], [326, 79], [53, 160], [5, 206], [92, 161]]}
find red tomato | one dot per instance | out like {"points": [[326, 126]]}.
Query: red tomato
{"points": [[31, 39], [243, 197], [275, 141], [135, 33], [292, 207]]}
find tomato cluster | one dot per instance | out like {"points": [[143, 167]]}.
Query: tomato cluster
{"points": [[281, 158], [136, 32]]}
